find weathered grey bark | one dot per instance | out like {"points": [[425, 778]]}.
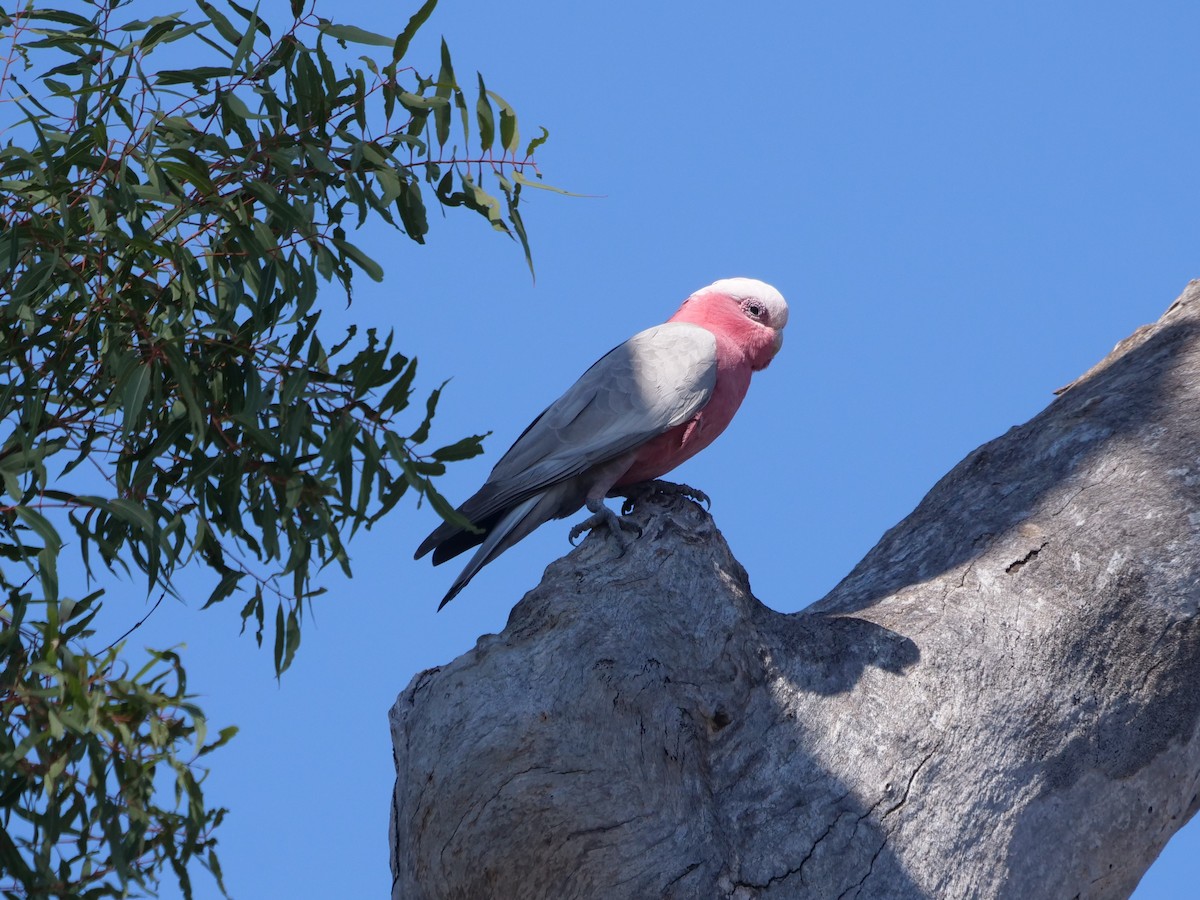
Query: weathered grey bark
{"points": [[1002, 700]]}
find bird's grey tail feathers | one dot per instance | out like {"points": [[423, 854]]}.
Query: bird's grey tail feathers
{"points": [[451, 540], [514, 525]]}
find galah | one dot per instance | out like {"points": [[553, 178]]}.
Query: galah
{"points": [[641, 410]]}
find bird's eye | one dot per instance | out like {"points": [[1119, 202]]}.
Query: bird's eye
{"points": [[755, 309]]}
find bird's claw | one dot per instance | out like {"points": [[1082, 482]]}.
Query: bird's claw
{"points": [[614, 523], [634, 494], [576, 530]]}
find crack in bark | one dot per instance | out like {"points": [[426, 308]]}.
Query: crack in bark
{"points": [[479, 810], [792, 871], [423, 680], [813, 849], [600, 829], [509, 780], [1018, 564], [908, 787], [949, 589], [682, 875], [857, 888], [1103, 479]]}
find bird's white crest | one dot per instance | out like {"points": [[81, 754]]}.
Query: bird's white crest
{"points": [[753, 289]]}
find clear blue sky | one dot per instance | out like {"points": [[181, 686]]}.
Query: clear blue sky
{"points": [[966, 205]]}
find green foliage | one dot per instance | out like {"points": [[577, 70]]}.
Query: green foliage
{"points": [[166, 395], [87, 739]]}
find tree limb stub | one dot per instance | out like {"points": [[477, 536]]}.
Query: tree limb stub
{"points": [[1002, 700]]}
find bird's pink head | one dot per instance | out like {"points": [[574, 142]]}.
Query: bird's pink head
{"points": [[744, 312]]}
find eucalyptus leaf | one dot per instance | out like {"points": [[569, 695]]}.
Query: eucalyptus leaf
{"points": [[357, 35]]}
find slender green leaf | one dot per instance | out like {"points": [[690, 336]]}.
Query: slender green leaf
{"points": [[357, 35], [224, 27], [510, 137], [467, 448], [541, 185], [40, 526], [400, 48], [364, 262], [484, 117]]}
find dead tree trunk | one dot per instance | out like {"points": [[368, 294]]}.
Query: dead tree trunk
{"points": [[1001, 701]]}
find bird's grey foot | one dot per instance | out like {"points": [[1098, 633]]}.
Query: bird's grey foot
{"points": [[602, 515], [636, 493]]}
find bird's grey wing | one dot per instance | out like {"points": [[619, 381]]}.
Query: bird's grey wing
{"points": [[654, 381]]}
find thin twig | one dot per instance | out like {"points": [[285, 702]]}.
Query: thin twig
{"points": [[138, 624]]}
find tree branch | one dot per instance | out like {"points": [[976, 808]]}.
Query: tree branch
{"points": [[1001, 700]]}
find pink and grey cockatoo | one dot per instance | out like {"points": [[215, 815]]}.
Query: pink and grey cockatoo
{"points": [[642, 409]]}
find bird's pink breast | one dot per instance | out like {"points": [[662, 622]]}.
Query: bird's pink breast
{"points": [[742, 347], [660, 455]]}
